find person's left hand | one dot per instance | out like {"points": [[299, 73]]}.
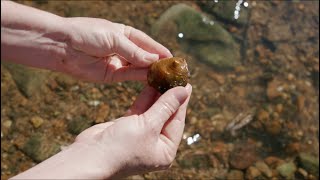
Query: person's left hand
{"points": [[102, 51]]}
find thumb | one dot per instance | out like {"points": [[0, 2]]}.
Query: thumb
{"points": [[166, 106], [131, 52]]}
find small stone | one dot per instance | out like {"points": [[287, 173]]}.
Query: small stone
{"points": [[264, 168], [77, 125], [279, 108], [262, 115], [235, 174], [241, 79], [198, 161], [218, 78], [290, 77], [252, 173], [7, 123], [293, 148], [243, 157], [39, 148], [287, 170], [273, 161], [273, 127], [309, 162], [300, 103], [273, 89], [102, 114], [37, 121]]}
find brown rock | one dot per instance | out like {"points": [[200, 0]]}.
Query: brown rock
{"points": [[262, 115], [300, 103], [102, 114], [264, 168], [252, 173], [279, 108], [235, 174], [273, 89], [218, 78], [273, 161], [273, 127], [243, 157], [293, 148], [36, 121]]}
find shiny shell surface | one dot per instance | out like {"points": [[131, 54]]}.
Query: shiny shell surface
{"points": [[168, 73]]}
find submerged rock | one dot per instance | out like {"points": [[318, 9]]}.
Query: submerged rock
{"points": [[235, 174], [243, 157], [30, 81], [77, 125], [198, 161], [226, 10], [39, 148], [252, 173], [287, 170], [199, 35]]}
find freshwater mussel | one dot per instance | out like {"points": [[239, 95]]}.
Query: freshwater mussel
{"points": [[168, 73]]}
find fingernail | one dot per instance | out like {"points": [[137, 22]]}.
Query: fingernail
{"points": [[151, 57], [188, 87]]}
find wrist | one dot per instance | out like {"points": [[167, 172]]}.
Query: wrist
{"points": [[78, 161]]}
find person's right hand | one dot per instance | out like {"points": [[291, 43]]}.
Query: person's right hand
{"points": [[145, 140], [148, 138]]}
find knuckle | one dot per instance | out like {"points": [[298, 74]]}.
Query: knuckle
{"points": [[168, 107], [127, 31]]}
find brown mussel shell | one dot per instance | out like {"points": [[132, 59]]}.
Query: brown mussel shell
{"points": [[168, 73]]}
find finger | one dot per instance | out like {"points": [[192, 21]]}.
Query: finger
{"points": [[93, 131], [131, 52], [145, 42], [143, 102], [173, 129], [129, 73], [166, 106]]}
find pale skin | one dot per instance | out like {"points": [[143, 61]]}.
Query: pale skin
{"points": [[146, 138]]}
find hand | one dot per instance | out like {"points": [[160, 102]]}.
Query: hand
{"points": [[146, 139], [92, 45]]}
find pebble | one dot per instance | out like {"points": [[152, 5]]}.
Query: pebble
{"points": [[102, 114], [37, 121], [300, 103], [263, 115], [252, 173], [290, 77], [279, 108], [293, 148], [287, 170], [235, 174], [243, 157], [273, 161], [273, 127], [264, 168], [241, 78], [218, 78], [274, 89], [7, 123]]}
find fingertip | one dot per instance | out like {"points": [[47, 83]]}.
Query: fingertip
{"points": [[189, 88], [180, 93], [168, 53]]}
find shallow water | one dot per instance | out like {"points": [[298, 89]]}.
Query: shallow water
{"points": [[255, 78]]}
